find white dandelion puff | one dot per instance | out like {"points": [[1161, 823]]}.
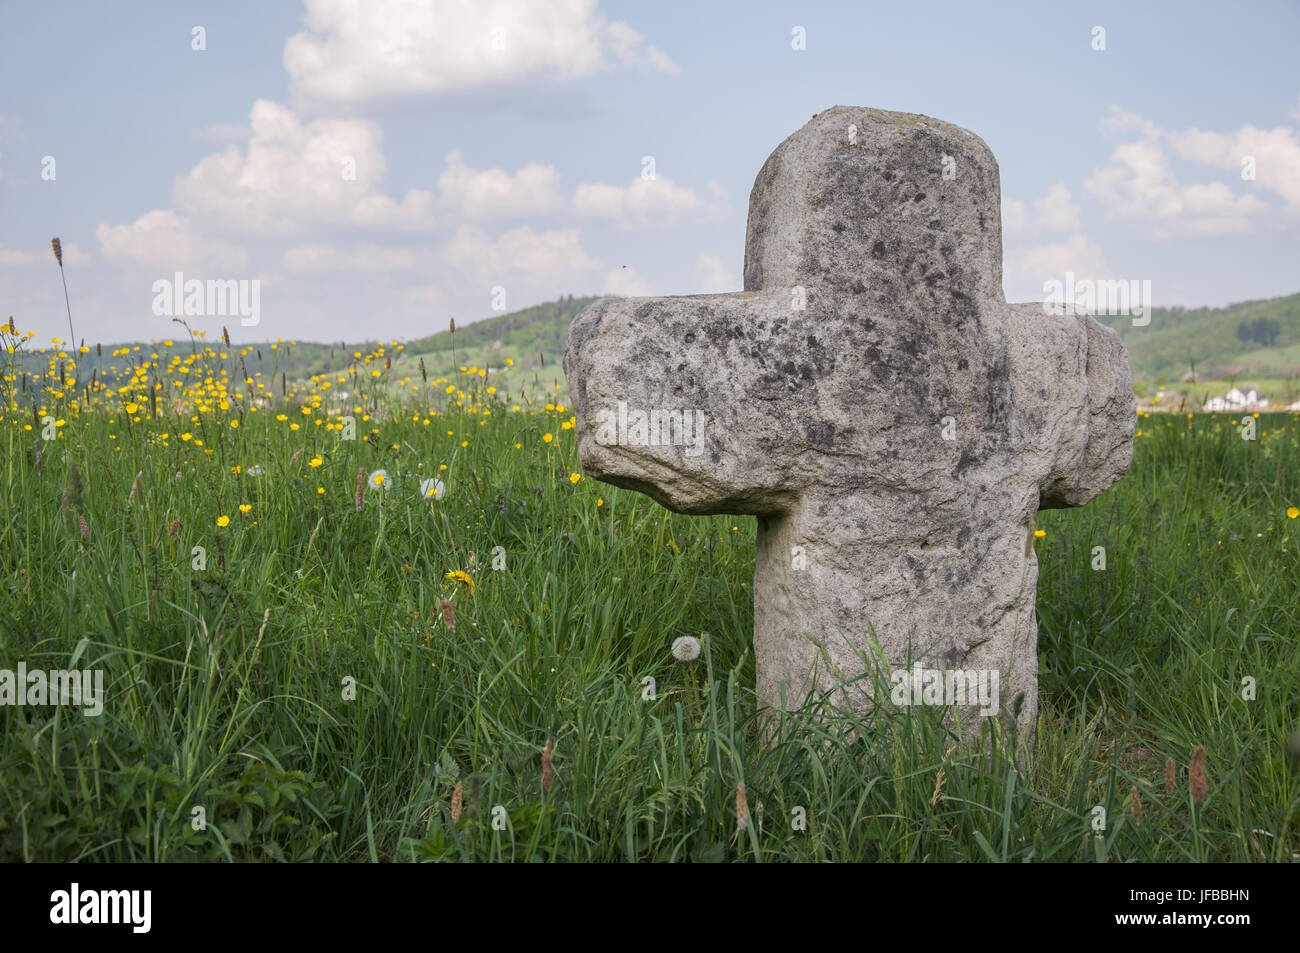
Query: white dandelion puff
{"points": [[432, 489], [379, 480], [686, 648]]}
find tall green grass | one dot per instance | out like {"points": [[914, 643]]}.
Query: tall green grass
{"points": [[226, 686]]}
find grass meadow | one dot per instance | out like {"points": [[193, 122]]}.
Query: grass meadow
{"points": [[429, 642]]}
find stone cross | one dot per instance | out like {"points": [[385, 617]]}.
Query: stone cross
{"points": [[872, 398]]}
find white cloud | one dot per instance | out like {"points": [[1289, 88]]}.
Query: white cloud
{"points": [[296, 175], [354, 53], [1015, 217], [1140, 187], [1276, 155], [713, 277], [15, 258], [164, 241], [73, 255], [1121, 121], [492, 193], [646, 203], [626, 283], [1052, 213], [1027, 269], [555, 257]]}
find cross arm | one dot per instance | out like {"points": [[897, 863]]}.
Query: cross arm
{"points": [[682, 399]]}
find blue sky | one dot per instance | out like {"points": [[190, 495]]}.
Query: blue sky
{"points": [[513, 160]]}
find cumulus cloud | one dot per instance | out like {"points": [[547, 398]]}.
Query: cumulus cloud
{"points": [[1140, 187], [164, 241], [1274, 155], [73, 254], [293, 175], [626, 283], [646, 203], [713, 277], [1027, 269], [1051, 213], [1015, 217], [356, 53], [493, 194], [555, 258], [1054, 211]]}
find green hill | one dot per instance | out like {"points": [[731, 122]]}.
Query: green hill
{"points": [[1254, 343]]}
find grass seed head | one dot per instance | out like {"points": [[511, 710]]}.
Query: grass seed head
{"points": [[548, 777], [1196, 774]]}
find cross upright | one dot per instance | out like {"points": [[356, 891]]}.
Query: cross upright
{"points": [[873, 399]]}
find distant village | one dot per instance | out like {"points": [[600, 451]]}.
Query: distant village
{"points": [[1249, 401]]}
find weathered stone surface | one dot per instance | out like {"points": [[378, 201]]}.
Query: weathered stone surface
{"points": [[830, 422]]}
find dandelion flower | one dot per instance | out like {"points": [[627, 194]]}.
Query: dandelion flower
{"points": [[459, 575], [1292, 512], [686, 648], [223, 520], [379, 480]]}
